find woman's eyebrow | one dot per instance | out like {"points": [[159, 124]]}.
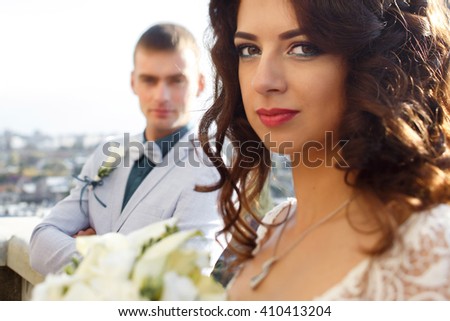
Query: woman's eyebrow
{"points": [[291, 34], [245, 35], [283, 36]]}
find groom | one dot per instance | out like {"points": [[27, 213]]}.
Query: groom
{"points": [[155, 175]]}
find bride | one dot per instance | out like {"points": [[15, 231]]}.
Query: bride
{"points": [[357, 94]]}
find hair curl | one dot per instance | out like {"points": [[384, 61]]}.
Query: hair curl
{"points": [[397, 116]]}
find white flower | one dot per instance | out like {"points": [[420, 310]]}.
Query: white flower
{"points": [[80, 291], [111, 251], [109, 241], [149, 264], [139, 237], [104, 288], [153, 262], [54, 287], [178, 288]]}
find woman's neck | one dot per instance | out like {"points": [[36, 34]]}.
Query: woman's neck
{"points": [[319, 191]]}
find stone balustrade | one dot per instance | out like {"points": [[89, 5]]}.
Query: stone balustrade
{"points": [[17, 278]]}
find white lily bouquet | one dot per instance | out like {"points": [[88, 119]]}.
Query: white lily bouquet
{"points": [[152, 263]]}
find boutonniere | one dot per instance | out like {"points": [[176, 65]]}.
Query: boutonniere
{"points": [[110, 164]]}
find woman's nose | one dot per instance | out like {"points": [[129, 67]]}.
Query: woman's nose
{"points": [[269, 77]]}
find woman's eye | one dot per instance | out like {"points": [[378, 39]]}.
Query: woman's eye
{"points": [[304, 50], [246, 51]]}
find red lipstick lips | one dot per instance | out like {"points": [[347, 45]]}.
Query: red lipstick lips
{"points": [[276, 116]]}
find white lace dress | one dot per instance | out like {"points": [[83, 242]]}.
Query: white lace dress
{"points": [[417, 267]]}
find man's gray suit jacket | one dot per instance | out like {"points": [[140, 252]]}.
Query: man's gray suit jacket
{"points": [[167, 191]]}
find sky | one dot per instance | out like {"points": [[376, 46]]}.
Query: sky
{"points": [[65, 64]]}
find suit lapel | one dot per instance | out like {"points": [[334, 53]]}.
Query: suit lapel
{"points": [[116, 195], [176, 155], [115, 184]]}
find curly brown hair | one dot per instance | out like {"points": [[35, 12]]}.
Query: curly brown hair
{"points": [[397, 118]]}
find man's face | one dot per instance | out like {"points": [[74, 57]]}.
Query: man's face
{"points": [[167, 84]]}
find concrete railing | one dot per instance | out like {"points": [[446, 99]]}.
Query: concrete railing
{"points": [[17, 278]]}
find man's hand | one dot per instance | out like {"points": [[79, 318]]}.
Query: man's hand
{"points": [[89, 231]]}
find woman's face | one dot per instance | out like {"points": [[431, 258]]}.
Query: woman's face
{"points": [[291, 90]]}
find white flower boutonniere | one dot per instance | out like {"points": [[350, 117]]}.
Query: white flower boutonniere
{"points": [[112, 161], [153, 263]]}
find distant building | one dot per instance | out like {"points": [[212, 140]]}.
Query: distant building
{"points": [[44, 189]]}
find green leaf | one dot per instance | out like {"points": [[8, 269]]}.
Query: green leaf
{"points": [[152, 289], [72, 266]]}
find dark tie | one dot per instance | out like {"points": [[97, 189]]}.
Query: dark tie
{"points": [[155, 151], [140, 170]]}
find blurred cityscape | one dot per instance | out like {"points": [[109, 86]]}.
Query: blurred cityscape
{"points": [[36, 170]]}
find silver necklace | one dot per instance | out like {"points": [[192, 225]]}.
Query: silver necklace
{"points": [[267, 265]]}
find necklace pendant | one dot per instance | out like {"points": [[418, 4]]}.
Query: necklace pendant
{"points": [[257, 279]]}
